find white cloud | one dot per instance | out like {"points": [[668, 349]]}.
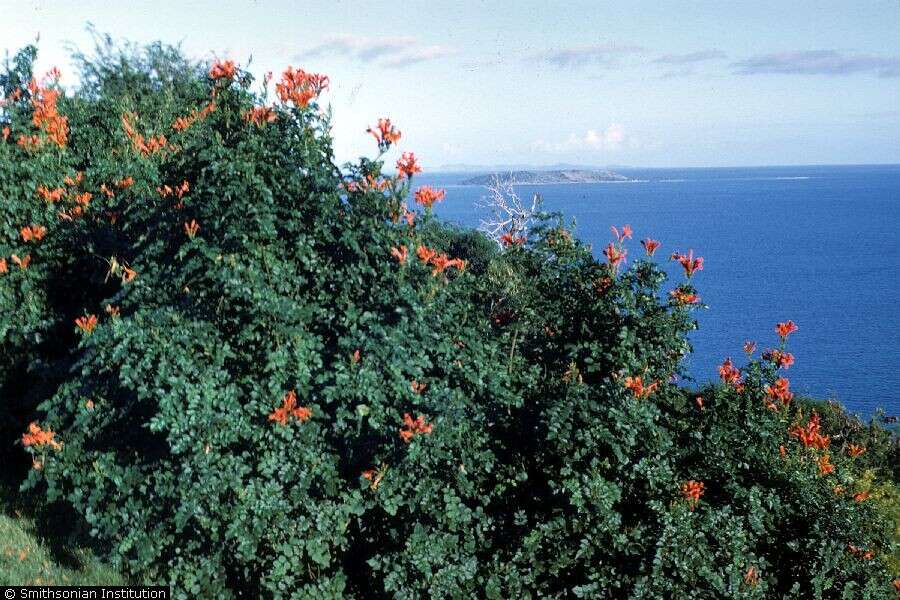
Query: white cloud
{"points": [[612, 138], [398, 51], [577, 56]]}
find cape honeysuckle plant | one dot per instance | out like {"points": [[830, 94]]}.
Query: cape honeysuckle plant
{"points": [[254, 373]]}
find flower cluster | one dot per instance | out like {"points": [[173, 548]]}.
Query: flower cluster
{"points": [[637, 387], [413, 427], [692, 491], [407, 165], [260, 115], [39, 438], [289, 409], [385, 134], [688, 262], [184, 123], [810, 435], [299, 87], [146, 146], [426, 196], [439, 261]]}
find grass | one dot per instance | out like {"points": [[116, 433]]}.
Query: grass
{"points": [[42, 545]]}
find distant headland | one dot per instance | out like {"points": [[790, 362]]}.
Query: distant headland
{"points": [[546, 177]]}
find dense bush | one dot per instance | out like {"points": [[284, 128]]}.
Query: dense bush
{"points": [[260, 374]]}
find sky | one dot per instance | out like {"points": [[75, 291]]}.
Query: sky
{"points": [[650, 84]]}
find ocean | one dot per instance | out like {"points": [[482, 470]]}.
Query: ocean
{"points": [[815, 244]]}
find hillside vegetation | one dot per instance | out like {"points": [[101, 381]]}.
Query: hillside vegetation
{"points": [[244, 371]]}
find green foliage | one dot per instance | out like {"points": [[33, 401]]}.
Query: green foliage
{"points": [[537, 469]]}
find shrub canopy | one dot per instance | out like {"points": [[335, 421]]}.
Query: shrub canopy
{"points": [[258, 373]]}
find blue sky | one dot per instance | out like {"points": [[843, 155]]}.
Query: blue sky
{"points": [[627, 83]]}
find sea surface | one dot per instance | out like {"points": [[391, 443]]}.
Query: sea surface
{"points": [[817, 244]]}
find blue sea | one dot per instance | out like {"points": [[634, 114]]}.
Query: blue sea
{"points": [[815, 244]]}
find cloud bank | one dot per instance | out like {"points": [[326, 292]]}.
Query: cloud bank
{"points": [[611, 138], [603, 54], [819, 62], [394, 52], [691, 57]]}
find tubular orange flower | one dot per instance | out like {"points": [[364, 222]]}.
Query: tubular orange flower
{"points": [[508, 239], [780, 358], [626, 232], [83, 199], [141, 144], [300, 87], [184, 123], [614, 255], [782, 451], [779, 391], [650, 245], [22, 263], [426, 196], [637, 387], [191, 229], [810, 435], [825, 466], [223, 70], [692, 491], [699, 402], [853, 450], [862, 496], [412, 428], [260, 115], [52, 196], [684, 297], [128, 274], [688, 262], [39, 438], [112, 310], [425, 254], [86, 323], [5, 133], [729, 373], [751, 577], [3, 266], [749, 347], [125, 183], [289, 409], [418, 388], [400, 254], [785, 329], [407, 165], [355, 357], [385, 134], [33, 232]]}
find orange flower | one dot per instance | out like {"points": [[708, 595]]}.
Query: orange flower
{"points": [[300, 87], [508, 239], [729, 373], [691, 491], [862, 496], [650, 246], [782, 451], [780, 358], [751, 577], [425, 254], [810, 435], [38, 438], [5, 133], [785, 329], [191, 228], [83, 199], [614, 255], [636, 385], [385, 134], [106, 191], [442, 262], [688, 262], [112, 310], [779, 391], [128, 274], [54, 195], [260, 115], [825, 466], [853, 450], [407, 165], [374, 476], [290, 409], [125, 183], [145, 146], [412, 428], [89, 404], [418, 388], [749, 347], [22, 263], [3, 266], [400, 253], [699, 402], [86, 323], [33, 232], [683, 297], [223, 70], [626, 232], [427, 196], [355, 357], [838, 490]]}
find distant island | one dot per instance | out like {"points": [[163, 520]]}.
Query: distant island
{"points": [[544, 177]]}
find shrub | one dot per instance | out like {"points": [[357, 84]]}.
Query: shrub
{"points": [[261, 374]]}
